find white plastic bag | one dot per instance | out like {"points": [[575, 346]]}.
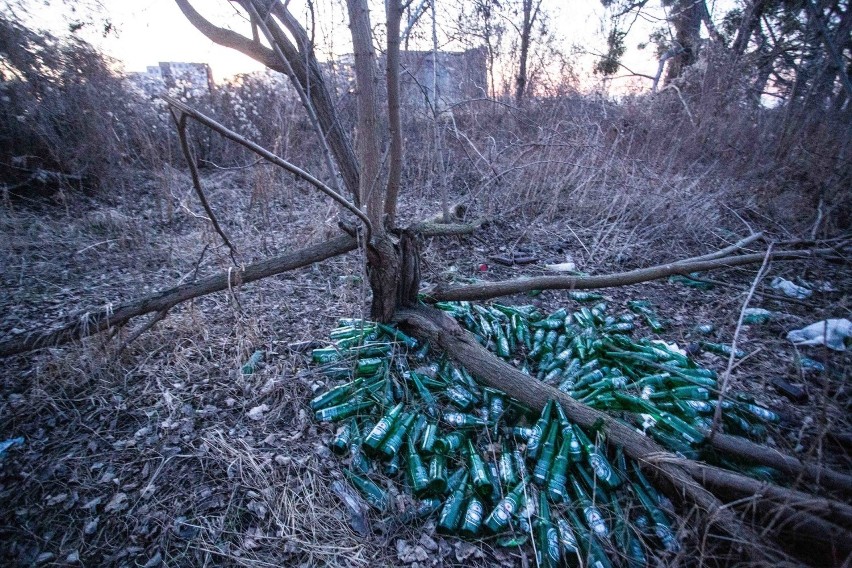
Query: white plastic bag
{"points": [[830, 333], [790, 289]]}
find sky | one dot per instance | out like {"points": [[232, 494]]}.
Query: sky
{"points": [[150, 31]]}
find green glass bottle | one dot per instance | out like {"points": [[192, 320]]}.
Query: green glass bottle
{"points": [[662, 528], [522, 432], [583, 296], [437, 475], [340, 443], [325, 355], [472, 521], [451, 513], [342, 411], [759, 412], [506, 508], [459, 420], [601, 467], [496, 405], [570, 548], [626, 539], [358, 462], [546, 457], [501, 341], [593, 515], [334, 395], [455, 480], [392, 467], [369, 366], [556, 488], [539, 430], [425, 394], [375, 495], [381, 430], [450, 443], [393, 441], [428, 438], [403, 338], [683, 393], [508, 471], [690, 434], [417, 474], [721, 349], [459, 396], [548, 551], [478, 474], [595, 557]]}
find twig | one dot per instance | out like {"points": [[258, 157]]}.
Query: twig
{"points": [[180, 122], [723, 386], [136, 334], [270, 157], [742, 243]]}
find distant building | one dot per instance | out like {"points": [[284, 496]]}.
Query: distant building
{"points": [[190, 80], [457, 76]]}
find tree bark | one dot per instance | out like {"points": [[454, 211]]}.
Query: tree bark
{"points": [[686, 19], [393, 10], [529, 17], [90, 323]]}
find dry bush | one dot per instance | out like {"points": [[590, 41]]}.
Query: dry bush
{"points": [[66, 119]]}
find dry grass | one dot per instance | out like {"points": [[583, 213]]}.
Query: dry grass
{"points": [[150, 454]]}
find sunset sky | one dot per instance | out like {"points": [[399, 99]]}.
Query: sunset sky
{"points": [[150, 31]]}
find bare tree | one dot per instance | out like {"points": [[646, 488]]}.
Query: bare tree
{"points": [[392, 264]]}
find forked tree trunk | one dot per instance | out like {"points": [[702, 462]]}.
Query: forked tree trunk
{"points": [[393, 266]]}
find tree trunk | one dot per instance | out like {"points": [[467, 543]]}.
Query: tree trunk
{"points": [[393, 266], [526, 32], [686, 19]]}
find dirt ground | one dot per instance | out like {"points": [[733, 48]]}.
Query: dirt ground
{"points": [[154, 453]]}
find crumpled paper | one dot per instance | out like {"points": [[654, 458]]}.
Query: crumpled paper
{"points": [[830, 333]]}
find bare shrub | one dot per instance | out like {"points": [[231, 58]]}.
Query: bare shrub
{"points": [[65, 117]]}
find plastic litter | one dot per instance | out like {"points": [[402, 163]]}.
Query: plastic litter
{"points": [[756, 316], [832, 333], [6, 444], [790, 289], [253, 363]]}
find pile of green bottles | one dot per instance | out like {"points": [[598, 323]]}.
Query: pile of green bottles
{"points": [[410, 421], [591, 356]]}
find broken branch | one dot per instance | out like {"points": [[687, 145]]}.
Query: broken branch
{"points": [[90, 323], [487, 290]]}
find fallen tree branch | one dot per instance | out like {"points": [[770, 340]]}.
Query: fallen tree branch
{"points": [[739, 486], [679, 484], [90, 323], [736, 247], [819, 525], [429, 229], [180, 122], [761, 455], [487, 290], [270, 157]]}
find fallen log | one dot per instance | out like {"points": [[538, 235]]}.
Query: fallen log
{"points": [[487, 290], [678, 483], [89, 323]]}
